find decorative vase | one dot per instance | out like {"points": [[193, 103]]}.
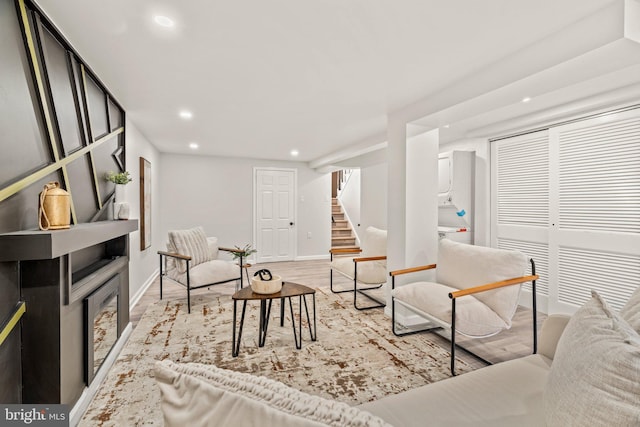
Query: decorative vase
{"points": [[120, 193], [123, 212], [54, 211]]}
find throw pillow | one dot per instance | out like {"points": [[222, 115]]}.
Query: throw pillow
{"points": [[194, 394], [595, 374], [463, 266], [631, 310], [192, 242], [374, 242]]}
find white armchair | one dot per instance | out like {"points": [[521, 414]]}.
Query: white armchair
{"points": [[192, 260], [475, 293], [368, 270]]}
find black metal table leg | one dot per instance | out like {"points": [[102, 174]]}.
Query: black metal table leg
{"points": [[265, 313], [235, 346], [312, 334], [293, 324], [281, 312], [300, 319]]}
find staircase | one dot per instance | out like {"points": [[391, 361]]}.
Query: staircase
{"points": [[341, 234]]}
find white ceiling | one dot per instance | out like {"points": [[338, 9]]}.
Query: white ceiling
{"points": [[265, 77]]}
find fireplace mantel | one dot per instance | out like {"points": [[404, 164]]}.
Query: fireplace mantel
{"points": [[50, 244], [61, 273]]}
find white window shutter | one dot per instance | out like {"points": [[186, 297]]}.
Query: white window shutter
{"points": [[599, 177], [523, 180]]}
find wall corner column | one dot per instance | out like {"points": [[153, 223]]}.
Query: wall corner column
{"points": [[396, 197]]}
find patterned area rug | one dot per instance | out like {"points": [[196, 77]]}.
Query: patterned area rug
{"points": [[355, 359]]}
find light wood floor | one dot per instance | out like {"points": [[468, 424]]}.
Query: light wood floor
{"points": [[510, 344]]}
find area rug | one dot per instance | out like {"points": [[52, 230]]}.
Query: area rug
{"points": [[355, 359]]}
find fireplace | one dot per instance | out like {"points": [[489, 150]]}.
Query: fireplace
{"points": [[75, 284], [101, 325]]}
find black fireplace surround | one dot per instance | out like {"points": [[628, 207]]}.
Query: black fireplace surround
{"points": [[68, 279]]}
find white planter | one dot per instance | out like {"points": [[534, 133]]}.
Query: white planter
{"points": [[120, 193]]}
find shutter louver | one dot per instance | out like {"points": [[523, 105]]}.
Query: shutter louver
{"points": [[612, 275], [599, 177], [540, 254], [523, 181]]}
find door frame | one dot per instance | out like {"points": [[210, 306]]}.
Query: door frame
{"points": [[256, 169]]}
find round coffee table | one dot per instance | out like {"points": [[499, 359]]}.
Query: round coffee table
{"points": [[288, 291]]}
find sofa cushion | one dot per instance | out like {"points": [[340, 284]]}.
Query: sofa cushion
{"points": [[473, 318], [191, 242], [374, 242], [202, 395], [209, 272], [595, 376], [370, 272], [212, 242], [463, 266], [631, 310], [507, 394]]}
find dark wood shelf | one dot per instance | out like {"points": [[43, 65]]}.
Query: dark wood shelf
{"points": [[50, 244]]}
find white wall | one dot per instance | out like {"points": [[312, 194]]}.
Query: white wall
{"points": [[373, 196], [217, 193], [350, 200], [412, 204], [143, 267], [422, 206], [482, 232]]}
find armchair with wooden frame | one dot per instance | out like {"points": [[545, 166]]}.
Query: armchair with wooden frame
{"points": [[475, 294], [191, 259], [367, 272]]}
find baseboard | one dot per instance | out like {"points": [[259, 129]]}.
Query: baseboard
{"points": [[312, 257], [83, 402], [136, 298]]}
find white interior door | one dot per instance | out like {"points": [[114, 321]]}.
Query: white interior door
{"points": [[275, 214]]}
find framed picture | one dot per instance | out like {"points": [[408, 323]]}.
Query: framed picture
{"points": [[145, 204]]}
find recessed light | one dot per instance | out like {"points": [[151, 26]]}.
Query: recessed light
{"points": [[193, 145], [163, 21], [294, 153], [446, 126], [186, 114], [526, 99]]}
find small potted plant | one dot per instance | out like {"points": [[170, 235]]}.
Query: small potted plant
{"points": [[120, 179], [244, 252]]}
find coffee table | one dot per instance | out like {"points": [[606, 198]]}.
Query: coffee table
{"points": [[288, 291]]}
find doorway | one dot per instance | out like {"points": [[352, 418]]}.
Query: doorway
{"points": [[275, 214]]}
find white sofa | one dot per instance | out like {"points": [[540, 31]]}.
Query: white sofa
{"points": [[586, 373], [504, 394]]}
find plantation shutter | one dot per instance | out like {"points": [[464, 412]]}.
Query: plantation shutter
{"points": [[598, 209], [520, 194], [570, 198]]}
